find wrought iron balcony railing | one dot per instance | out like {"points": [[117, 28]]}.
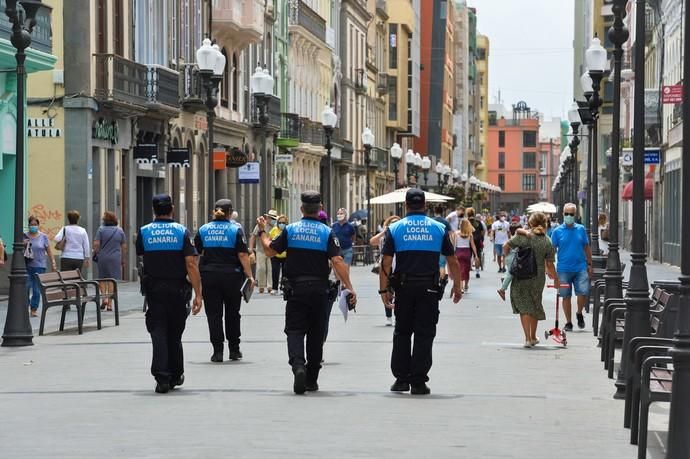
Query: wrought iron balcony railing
{"points": [[120, 80], [162, 86], [300, 14]]}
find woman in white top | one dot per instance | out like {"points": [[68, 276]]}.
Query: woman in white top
{"points": [[76, 250], [464, 249]]}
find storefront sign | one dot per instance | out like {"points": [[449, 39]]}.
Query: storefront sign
{"points": [[652, 156], [105, 130], [672, 94], [219, 159], [42, 127], [146, 153], [249, 173], [236, 158], [178, 157], [283, 158]]}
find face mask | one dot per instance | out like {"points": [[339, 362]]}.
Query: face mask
{"points": [[569, 219], [503, 219], [281, 225], [341, 217], [33, 229], [461, 215]]}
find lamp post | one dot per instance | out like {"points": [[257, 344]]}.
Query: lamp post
{"points": [[368, 142], [679, 418], [426, 165], [328, 119], [446, 174], [417, 168], [574, 119], [618, 34], [409, 160], [596, 59], [637, 295], [17, 330], [439, 173], [396, 154], [261, 84], [591, 135], [211, 63]]}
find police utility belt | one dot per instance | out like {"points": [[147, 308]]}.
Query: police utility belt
{"points": [[288, 285], [433, 283]]}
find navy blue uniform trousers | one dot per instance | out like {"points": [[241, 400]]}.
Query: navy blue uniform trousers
{"points": [[221, 291]]}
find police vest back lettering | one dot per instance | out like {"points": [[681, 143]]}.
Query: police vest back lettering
{"points": [[309, 235], [218, 234], [163, 236], [418, 233]]}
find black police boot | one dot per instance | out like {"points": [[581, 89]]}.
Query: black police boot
{"points": [[217, 356], [177, 382], [235, 353], [400, 386], [420, 389], [299, 386], [311, 386], [162, 387]]}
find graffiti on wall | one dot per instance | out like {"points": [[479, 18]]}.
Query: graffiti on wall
{"points": [[51, 219]]}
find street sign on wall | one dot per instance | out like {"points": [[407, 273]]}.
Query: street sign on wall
{"points": [[249, 173], [672, 94], [652, 156]]}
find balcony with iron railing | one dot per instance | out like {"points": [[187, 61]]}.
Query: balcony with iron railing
{"points": [[162, 88], [382, 83], [289, 135], [379, 159], [381, 6], [239, 22], [271, 105], [301, 19], [120, 82]]}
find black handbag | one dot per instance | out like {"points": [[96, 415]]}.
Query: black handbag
{"points": [[94, 257], [524, 265]]}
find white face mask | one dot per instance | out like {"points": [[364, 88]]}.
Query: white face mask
{"points": [[340, 217]]}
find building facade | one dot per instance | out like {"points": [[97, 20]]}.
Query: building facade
{"points": [[482, 107], [461, 74]]}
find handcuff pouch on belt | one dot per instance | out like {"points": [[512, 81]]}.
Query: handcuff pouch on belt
{"points": [[286, 287], [333, 287], [434, 282]]}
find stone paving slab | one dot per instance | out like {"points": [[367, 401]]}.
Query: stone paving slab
{"points": [[92, 395]]}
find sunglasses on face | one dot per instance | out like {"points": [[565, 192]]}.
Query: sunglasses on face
{"points": [[568, 214]]}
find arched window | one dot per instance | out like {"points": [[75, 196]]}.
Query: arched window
{"points": [[225, 84], [235, 83]]}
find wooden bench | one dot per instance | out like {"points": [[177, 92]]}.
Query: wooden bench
{"points": [[56, 292], [97, 296]]}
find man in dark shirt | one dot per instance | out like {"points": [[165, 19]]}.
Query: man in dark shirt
{"points": [[346, 234], [309, 245], [169, 258]]}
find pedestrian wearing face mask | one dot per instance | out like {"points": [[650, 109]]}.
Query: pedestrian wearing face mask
{"points": [[37, 255], [277, 262], [346, 234], [574, 264], [499, 234]]}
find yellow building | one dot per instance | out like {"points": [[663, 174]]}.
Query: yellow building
{"points": [[45, 136], [483, 78]]}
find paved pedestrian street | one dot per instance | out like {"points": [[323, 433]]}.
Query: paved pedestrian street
{"points": [[92, 395]]}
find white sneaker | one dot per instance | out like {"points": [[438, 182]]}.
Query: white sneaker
{"points": [[389, 321]]}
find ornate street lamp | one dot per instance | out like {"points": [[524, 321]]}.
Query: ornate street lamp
{"points": [[679, 419], [596, 59], [410, 161], [17, 330], [417, 168], [575, 121], [637, 321], [262, 92], [439, 173], [426, 165], [328, 119], [396, 154], [211, 63], [368, 142]]}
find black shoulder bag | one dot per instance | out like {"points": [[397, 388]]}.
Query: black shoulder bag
{"points": [[524, 265]]}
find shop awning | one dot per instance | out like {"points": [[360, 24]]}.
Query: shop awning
{"points": [[648, 190]]}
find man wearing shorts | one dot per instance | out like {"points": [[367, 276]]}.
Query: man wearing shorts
{"points": [[574, 264], [500, 235]]}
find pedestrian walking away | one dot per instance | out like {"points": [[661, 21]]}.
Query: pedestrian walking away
{"points": [[37, 255], [73, 242], [263, 263], [169, 259], [499, 236], [380, 240], [413, 290], [573, 263], [277, 262], [526, 291], [478, 235], [465, 250], [309, 245], [109, 253], [224, 266]]}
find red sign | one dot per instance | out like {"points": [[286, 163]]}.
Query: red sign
{"points": [[219, 160], [672, 94]]}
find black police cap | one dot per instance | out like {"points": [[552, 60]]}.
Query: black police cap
{"points": [[415, 197], [224, 204], [162, 200], [311, 197]]}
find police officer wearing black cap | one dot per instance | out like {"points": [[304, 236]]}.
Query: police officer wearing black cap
{"points": [[169, 259], [413, 290], [224, 266], [309, 245]]}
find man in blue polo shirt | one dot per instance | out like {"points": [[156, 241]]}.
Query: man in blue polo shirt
{"points": [[345, 233], [574, 264]]}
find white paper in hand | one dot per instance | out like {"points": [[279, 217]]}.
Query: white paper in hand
{"points": [[342, 302]]}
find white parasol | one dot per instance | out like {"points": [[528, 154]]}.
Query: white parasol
{"points": [[544, 207], [398, 195]]}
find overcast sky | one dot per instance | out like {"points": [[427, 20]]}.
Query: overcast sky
{"points": [[531, 55]]}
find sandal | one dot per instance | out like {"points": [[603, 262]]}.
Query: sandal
{"points": [[34, 313], [103, 306]]}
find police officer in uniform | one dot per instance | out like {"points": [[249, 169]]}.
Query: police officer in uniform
{"points": [[169, 259], [416, 241], [309, 245], [224, 266]]}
